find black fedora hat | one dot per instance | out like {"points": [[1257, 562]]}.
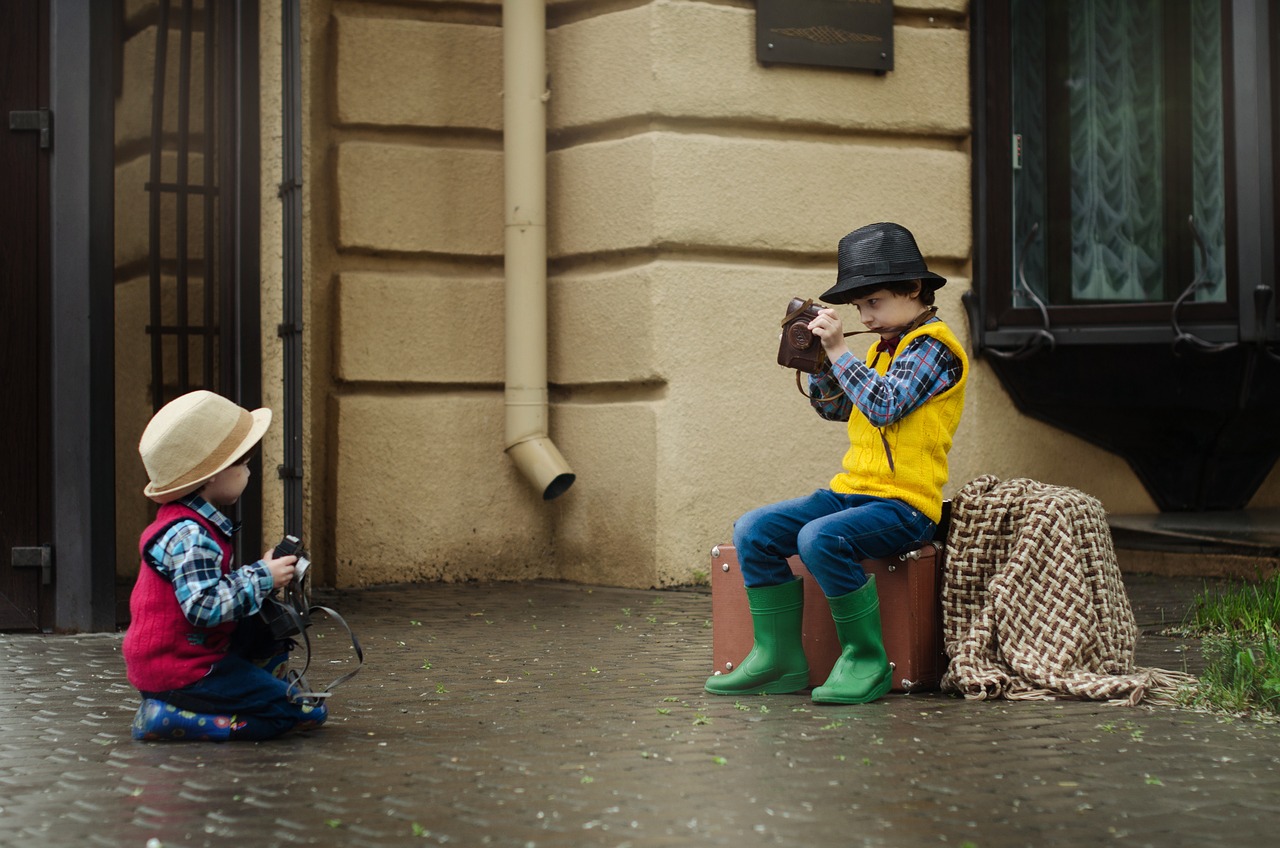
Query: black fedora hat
{"points": [[876, 254]]}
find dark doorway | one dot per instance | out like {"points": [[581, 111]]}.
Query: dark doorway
{"points": [[26, 590]]}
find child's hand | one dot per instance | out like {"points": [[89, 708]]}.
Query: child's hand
{"points": [[281, 569], [830, 331]]}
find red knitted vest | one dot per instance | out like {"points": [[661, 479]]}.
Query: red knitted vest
{"points": [[162, 650]]}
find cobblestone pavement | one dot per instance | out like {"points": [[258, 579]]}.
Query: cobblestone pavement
{"points": [[560, 715]]}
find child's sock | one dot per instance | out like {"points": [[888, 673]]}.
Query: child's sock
{"points": [[156, 719]]}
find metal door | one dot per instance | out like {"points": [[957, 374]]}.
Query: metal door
{"points": [[26, 590]]}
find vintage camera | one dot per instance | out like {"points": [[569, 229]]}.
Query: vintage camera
{"points": [[286, 611], [799, 348]]}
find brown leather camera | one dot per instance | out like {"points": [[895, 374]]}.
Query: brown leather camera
{"points": [[799, 348]]}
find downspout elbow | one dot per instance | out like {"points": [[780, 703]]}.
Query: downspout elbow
{"points": [[542, 465]]}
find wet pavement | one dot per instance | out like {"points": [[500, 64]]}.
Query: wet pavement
{"points": [[561, 715]]}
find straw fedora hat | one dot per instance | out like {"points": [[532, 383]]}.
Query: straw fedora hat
{"points": [[877, 254], [194, 437]]}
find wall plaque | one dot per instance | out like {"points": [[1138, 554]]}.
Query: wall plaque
{"points": [[833, 33]]}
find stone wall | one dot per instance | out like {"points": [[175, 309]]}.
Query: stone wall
{"points": [[692, 191]]}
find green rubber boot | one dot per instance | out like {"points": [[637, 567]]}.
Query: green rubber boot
{"points": [[776, 663], [862, 674]]}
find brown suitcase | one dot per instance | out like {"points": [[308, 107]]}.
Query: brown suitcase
{"points": [[910, 590]]}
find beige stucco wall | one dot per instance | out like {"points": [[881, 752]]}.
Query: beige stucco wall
{"points": [[692, 191]]}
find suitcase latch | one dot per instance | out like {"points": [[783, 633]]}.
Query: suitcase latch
{"points": [[918, 552]]}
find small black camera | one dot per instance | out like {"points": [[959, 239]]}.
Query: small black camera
{"points": [[286, 610]]}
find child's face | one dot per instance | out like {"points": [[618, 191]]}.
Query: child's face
{"points": [[884, 311], [225, 487]]}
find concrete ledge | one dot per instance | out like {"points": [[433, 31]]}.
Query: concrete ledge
{"points": [[1196, 564]]}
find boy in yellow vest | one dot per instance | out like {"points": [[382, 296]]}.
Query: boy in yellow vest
{"points": [[902, 407]]}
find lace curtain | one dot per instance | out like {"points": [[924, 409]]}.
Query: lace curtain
{"points": [[1116, 96]]}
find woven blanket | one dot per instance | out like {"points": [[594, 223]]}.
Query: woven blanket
{"points": [[1033, 605]]}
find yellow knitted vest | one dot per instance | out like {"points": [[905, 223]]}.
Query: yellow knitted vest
{"points": [[919, 441]]}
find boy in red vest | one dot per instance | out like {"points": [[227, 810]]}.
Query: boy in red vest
{"points": [[196, 649], [902, 406]]}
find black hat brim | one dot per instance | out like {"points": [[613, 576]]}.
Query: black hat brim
{"points": [[846, 290]]}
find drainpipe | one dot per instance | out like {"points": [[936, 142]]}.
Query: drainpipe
{"points": [[524, 147]]}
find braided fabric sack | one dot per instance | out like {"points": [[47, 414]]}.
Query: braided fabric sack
{"points": [[1033, 603]]}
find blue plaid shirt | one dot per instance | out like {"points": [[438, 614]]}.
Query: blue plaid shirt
{"points": [[922, 369], [189, 558]]}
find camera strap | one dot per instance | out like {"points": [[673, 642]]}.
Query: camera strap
{"points": [[300, 690], [919, 320]]}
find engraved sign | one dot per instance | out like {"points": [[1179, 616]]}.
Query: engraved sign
{"points": [[832, 33]]}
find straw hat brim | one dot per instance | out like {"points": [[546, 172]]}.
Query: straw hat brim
{"points": [[261, 421]]}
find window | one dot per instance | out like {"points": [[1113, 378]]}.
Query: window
{"points": [[1107, 172], [1118, 131]]}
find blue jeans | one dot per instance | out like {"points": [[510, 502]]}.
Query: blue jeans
{"points": [[236, 685], [833, 533]]}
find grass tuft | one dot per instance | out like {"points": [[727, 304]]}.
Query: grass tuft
{"points": [[1242, 675], [1247, 609], [1240, 631]]}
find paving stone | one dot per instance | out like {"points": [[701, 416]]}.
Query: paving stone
{"points": [[561, 715]]}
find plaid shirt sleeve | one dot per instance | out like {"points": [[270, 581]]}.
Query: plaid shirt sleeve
{"points": [[924, 368], [191, 560], [826, 395]]}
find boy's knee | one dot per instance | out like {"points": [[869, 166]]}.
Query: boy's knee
{"points": [[744, 529], [818, 549]]}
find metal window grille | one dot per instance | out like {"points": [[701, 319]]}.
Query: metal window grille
{"points": [[204, 209], [182, 186]]}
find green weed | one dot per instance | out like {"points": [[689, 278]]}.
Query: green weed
{"points": [[1240, 630], [1241, 675], [1251, 609]]}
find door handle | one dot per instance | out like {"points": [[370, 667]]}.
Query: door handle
{"points": [[40, 557], [34, 120]]}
